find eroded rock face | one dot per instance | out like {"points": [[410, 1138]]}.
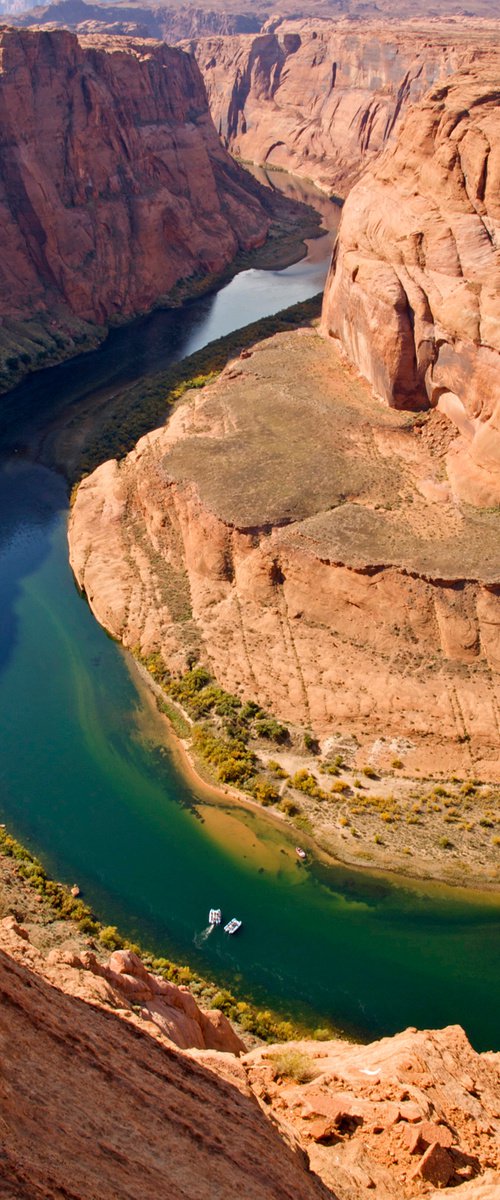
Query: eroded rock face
{"points": [[321, 98], [137, 1116], [303, 540], [413, 295], [364, 1109], [134, 1116], [114, 186]]}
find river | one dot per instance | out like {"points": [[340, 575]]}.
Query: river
{"points": [[88, 784]]}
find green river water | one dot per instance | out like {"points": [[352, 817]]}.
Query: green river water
{"points": [[86, 783]]}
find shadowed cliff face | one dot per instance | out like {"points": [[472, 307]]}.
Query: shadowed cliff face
{"points": [[414, 290], [114, 185], [319, 98]]}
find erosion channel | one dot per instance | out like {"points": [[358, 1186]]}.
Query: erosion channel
{"points": [[89, 782]]}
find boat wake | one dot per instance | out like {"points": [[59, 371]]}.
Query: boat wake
{"points": [[199, 938]]}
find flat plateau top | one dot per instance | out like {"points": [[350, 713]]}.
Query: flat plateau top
{"points": [[291, 438]]}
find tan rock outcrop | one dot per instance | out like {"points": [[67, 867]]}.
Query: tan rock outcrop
{"points": [[363, 1103], [413, 295], [137, 1117], [113, 187], [95, 1102], [321, 98], [278, 527]]}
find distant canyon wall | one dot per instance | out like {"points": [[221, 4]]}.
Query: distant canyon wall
{"points": [[113, 187], [413, 296], [321, 98]]}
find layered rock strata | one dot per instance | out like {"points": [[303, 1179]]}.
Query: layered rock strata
{"points": [[114, 187], [413, 295], [321, 98], [157, 21], [95, 1101], [136, 1116], [305, 542]]}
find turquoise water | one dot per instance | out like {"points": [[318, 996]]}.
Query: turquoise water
{"points": [[86, 783]]}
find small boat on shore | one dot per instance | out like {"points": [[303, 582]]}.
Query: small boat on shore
{"points": [[300, 853], [215, 916], [232, 926]]}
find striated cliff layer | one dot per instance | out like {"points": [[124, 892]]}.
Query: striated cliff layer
{"points": [[113, 187], [413, 294], [320, 98], [135, 1116], [305, 542], [141, 20]]}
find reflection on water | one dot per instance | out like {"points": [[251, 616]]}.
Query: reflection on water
{"points": [[84, 782]]}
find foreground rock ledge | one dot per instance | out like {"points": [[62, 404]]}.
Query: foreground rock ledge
{"points": [[137, 1117], [305, 542]]}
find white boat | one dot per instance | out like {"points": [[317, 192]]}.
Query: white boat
{"points": [[300, 852], [232, 926], [214, 916]]}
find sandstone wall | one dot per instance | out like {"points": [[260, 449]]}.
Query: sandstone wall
{"points": [[137, 1117], [303, 540], [413, 294], [321, 98], [113, 185]]}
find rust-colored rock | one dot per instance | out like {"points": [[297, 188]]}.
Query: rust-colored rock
{"points": [[321, 98], [426, 1134], [113, 187], [435, 1166], [96, 1104], [413, 296]]}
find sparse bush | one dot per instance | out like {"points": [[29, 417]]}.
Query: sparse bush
{"points": [[396, 764], [369, 772], [264, 792], [292, 1064], [289, 806]]}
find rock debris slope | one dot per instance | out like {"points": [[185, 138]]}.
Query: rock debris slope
{"points": [[113, 187], [413, 295]]}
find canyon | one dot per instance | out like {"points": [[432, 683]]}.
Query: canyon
{"points": [[363, 563], [318, 526], [114, 188], [84, 1052], [321, 99]]}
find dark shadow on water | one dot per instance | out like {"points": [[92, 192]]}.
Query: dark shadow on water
{"points": [[31, 499]]}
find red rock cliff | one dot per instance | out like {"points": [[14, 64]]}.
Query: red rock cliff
{"points": [[320, 98], [113, 183], [414, 290]]}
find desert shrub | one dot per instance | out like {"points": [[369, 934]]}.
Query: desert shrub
{"points": [[264, 792], [370, 772], [340, 786], [292, 1064], [268, 727], [396, 764], [110, 938], [277, 769], [289, 806], [311, 743], [445, 843]]}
